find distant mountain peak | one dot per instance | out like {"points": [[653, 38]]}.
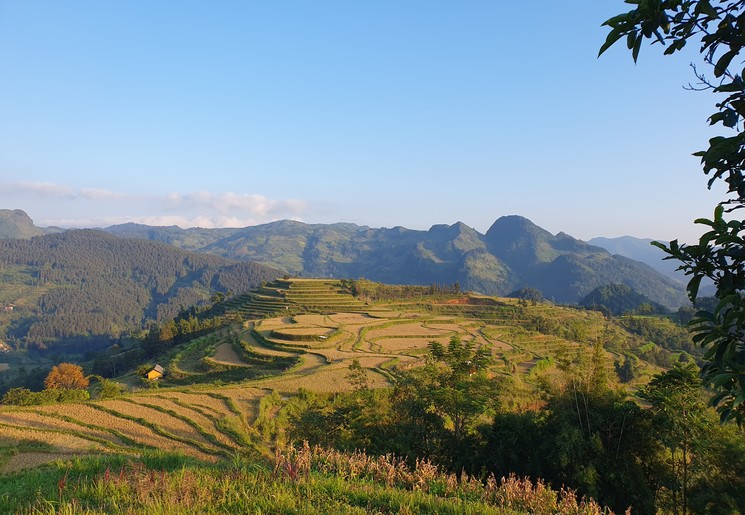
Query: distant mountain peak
{"points": [[16, 224], [512, 226], [452, 231]]}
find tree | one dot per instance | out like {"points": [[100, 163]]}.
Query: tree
{"points": [[357, 376], [456, 388], [719, 27], [678, 420], [66, 376]]}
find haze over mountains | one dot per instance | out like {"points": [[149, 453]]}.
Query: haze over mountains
{"points": [[513, 253], [640, 249]]}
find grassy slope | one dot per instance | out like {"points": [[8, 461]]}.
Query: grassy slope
{"points": [[301, 481]]}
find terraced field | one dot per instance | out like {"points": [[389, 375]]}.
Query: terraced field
{"points": [[311, 345], [208, 426], [295, 296]]}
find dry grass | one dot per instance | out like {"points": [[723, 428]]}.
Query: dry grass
{"points": [[413, 329], [272, 323], [312, 320], [351, 318], [451, 328], [260, 348], [194, 415], [199, 400], [27, 460], [163, 420], [397, 345], [62, 442], [305, 330], [225, 353], [34, 420], [137, 432], [347, 354], [326, 381], [245, 399]]}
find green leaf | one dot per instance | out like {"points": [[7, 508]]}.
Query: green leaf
{"points": [[693, 286], [613, 22], [613, 36], [723, 62], [725, 414], [630, 40], [703, 221], [637, 47], [663, 247], [718, 213], [703, 6]]}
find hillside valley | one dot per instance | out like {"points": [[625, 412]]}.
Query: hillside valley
{"points": [[348, 364]]}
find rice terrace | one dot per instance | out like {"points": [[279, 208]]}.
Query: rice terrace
{"points": [[294, 347], [348, 258]]}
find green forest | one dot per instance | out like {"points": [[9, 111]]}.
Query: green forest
{"points": [[89, 284]]}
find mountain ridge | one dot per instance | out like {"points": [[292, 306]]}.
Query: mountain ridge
{"points": [[513, 253]]}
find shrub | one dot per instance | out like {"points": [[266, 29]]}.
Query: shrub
{"points": [[25, 397]]}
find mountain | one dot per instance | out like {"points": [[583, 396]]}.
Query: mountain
{"points": [[641, 249], [513, 253], [88, 282], [194, 238], [15, 223], [619, 299]]}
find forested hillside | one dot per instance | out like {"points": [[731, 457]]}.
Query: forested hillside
{"points": [[619, 299], [87, 282], [513, 253]]}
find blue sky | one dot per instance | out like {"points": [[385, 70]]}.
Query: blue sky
{"points": [[384, 113]]}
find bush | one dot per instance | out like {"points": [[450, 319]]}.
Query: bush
{"points": [[17, 397], [109, 389], [25, 397]]}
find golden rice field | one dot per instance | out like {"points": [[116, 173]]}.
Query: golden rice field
{"points": [[225, 353], [211, 422]]}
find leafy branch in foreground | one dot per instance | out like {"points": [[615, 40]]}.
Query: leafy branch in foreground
{"points": [[719, 27]]}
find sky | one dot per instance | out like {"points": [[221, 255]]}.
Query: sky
{"points": [[384, 113]]}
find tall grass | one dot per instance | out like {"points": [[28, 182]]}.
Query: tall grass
{"points": [[511, 493], [301, 480]]}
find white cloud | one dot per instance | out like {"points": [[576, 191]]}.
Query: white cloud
{"points": [[96, 207], [38, 189], [101, 194], [230, 202]]}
